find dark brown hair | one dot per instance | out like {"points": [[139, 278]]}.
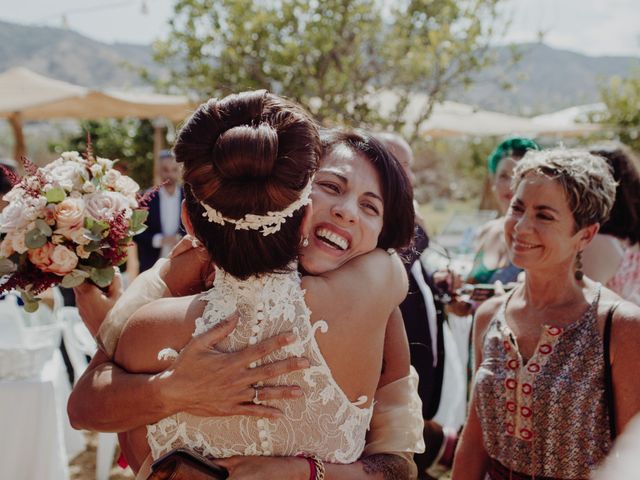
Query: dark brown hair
{"points": [[249, 153], [397, 193], [624, 219]]}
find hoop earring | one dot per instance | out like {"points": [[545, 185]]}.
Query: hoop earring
{"points": [[579, 274]]}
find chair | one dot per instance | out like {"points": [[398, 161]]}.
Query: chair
{"points": [[80, 344]]}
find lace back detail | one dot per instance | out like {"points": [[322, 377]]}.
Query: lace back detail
{"points": [[324, 422]]}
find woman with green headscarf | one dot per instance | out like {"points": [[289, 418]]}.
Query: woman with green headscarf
{"points": [[491, 262]]}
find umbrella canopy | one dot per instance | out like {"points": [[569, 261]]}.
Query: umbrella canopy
{"points": [[25, 95]]}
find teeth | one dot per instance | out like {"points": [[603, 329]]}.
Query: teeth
{"points": [[333, 237], [523, 244]]}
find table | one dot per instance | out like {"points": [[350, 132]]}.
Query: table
{"points": [[36, 439]]}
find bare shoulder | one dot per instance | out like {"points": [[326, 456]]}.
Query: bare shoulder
{"points": [[486, 312], [164, 323], [490, 231], [374, 273]]}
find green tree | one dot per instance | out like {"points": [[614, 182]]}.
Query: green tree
{"points": [[622, 99], [330, 55], [130, 141]]}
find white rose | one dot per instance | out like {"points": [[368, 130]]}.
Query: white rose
{"points": [[111, 178], [15, 193], [14, 217], [69, 175], [127, 186], [17, 242], [105, 205], [71, 156], [63, 260], [88, 187], [96, 169], [105, 162]]}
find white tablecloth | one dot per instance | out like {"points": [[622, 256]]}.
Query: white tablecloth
{"points": [[36, 439]]}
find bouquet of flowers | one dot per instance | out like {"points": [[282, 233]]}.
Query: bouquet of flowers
{"points": [[65, 223]]}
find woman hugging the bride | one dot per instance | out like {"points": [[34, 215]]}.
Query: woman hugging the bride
{"points": [[250, 161]]}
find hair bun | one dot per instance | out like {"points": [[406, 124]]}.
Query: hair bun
{"points": [[246, 152]]}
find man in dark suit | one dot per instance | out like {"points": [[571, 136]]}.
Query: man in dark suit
{"points": [[164, 228]]}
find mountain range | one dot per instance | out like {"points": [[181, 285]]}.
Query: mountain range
{"points": [[544, 80]]}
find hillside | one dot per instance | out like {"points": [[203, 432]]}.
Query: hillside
{"points": [[545, 80], [67, 55]]}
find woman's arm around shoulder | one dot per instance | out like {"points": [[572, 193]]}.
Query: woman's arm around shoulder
{"points": [[625, 358]]}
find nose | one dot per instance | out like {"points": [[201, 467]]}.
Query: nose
{"points": [[345, 210], [522, 224]]}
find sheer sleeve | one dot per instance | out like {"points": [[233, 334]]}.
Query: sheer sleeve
{"points": [[147, 287], [397, 424]]}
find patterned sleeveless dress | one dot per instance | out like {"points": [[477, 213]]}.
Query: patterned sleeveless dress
{"points": [[324, 422], [547, 417]]}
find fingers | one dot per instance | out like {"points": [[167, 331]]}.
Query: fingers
{"points": [[265, 347], [285, 392], [257, 411], [115, 288], [275, 369], [220, 331]]}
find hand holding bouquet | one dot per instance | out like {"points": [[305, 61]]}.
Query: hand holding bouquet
{"points": [[65, 223]]}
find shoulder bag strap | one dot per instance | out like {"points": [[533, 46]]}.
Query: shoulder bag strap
{"points": [[608, 381]]}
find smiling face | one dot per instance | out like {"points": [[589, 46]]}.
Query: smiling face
{"points": [[540, 228], [347, 210]]}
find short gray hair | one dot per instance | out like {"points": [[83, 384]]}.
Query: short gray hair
{"points": [[586, 179]]}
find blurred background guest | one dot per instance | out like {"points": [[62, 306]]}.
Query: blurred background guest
{"points": [[491, 262], [424, 318], [164, 228], [613, 257]]}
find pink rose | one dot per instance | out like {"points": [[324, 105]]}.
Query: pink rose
{"points": [[41, 257], [69, 216], [63, 261]]}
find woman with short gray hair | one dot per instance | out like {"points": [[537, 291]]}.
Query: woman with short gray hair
{"points": [[556, 357]]}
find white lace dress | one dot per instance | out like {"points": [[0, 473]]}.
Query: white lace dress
{"points": [[324, 422]]}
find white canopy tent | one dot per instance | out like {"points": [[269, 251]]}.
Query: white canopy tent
{"points": [[452, 119], [25, 95]]}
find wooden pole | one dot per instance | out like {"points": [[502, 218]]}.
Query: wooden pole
{"points": [[19, 148]]}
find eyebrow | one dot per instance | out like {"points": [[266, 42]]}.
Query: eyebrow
{"points": [[537, 207], [346, 181]]}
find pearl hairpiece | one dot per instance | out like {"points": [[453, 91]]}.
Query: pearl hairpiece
{"points": [[266, 224]]}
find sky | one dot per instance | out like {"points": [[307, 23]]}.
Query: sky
{"points": [[593, 27]]}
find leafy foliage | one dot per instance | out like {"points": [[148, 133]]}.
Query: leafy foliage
{"points": [[622, 98], [329, 55]]}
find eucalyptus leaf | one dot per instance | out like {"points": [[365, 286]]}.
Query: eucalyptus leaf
{"points": [[7, 266], [55, 195], [102, 277], [92, 246], [44, 228], [99, 226], [138, 217], [31, 306], [94, 237], [34, 239], [74, 278]]}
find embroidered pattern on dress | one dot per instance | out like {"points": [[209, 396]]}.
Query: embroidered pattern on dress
{"points": [[549, 417], [324, 422]]}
